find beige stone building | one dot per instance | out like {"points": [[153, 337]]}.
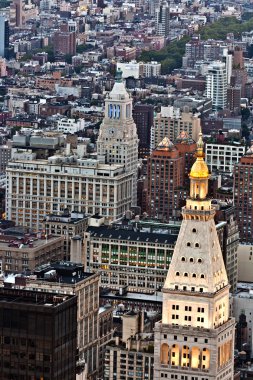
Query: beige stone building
{"points": [[195, 338], [245, 262], [71, 226], [18, 255], [38, 187]]}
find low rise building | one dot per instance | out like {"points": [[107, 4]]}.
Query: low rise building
{"points": [[18, 254], [69, 225], [126, 256], [131, 356]]}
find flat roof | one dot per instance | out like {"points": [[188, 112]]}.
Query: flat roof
{"points": [[134, 235]]}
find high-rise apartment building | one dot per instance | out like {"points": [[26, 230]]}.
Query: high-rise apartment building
{"points": [[216, 84], [118, 140], [143, 115], [162, 19], [243, 177], [16, 13], [195, 338], [171, 121], [4, 36], [165, 175]]}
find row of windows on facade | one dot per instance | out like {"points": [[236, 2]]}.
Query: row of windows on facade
{"points": [[188, 308], [187, 318], [185, 338], [194, 275]]}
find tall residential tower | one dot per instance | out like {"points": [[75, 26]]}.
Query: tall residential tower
{"points": [[195, 338]]}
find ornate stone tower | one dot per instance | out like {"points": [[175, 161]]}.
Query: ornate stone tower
{"points": [[118, 139], [195, 338]]}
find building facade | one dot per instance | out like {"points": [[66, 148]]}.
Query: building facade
{"points": [[195, 338], [162, 19], [165, 177], [143, 115], [216, 84], [39, 335], [38, 187], [129, 258], [118, 140], [223, 157], [170, 122], [243, 175]]}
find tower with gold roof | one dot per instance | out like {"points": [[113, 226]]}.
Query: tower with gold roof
{"points": [[195, 338]]}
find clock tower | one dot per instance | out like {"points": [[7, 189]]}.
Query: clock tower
{"points": [[195, 338], [118, 140]]}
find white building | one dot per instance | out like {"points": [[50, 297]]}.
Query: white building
{"points": [[195, 338], [129, 69], [70, 125], [36, 188], [118, 140], [223, 157], [162, 19], [216, 84], [151, 69]]}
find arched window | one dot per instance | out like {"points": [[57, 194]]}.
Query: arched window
{"points": [[194, 230], [183, 259], [199, 260], [194, 275], [191, 260], [195, 357], [196, 245], [202, 276], [185, 274], [188, 244], [164, 353], [177, 274]]}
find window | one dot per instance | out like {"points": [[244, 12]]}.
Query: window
{"points": [[183, 259], [191, 260], [202, 276], [188, 244], [185, 274], [177, 273], [194, 275], [194, 230], [199, 260], [196, 245]]}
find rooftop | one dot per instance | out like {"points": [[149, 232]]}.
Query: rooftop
{"points": [[132, 235]]}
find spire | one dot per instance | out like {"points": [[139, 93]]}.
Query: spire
{"points": [[199, 168], [118, 76]]}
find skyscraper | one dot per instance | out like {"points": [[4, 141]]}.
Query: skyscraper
{"points": [[243, 176], [195, 338], [4, 35], [162, 19], [118, 139], [143, 115], [216, 84]]}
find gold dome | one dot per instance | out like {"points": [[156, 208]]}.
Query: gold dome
{"points": [[199, 168]]}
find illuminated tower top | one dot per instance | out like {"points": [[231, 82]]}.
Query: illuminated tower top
{"points": [[195, 339], [197, 265]]}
